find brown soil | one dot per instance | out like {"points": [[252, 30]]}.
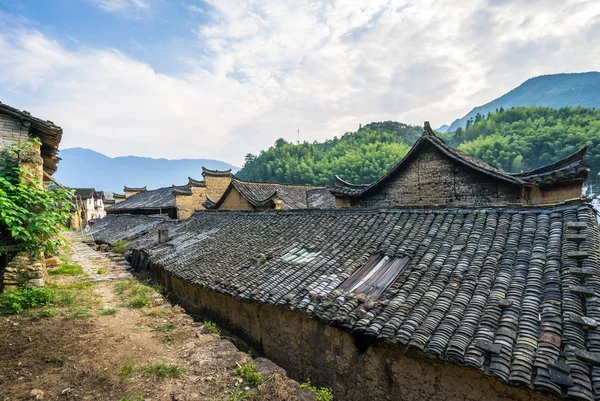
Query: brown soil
{"points": [[66, 358]]}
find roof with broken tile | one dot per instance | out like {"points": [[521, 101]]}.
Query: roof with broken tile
{"points": [[513, 293], [260, 194], [570, 169]]}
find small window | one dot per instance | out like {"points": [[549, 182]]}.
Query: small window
{"points": [[376, 276], [300, 255]]}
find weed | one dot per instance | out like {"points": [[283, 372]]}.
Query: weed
{"points": [[249, 374], [120, 246], [102, 270], [14, 302], [136, 397], [45, 312], [108, 312], [323, 393], [139, 301], [125, 371], [81, 314], [158, 312], [163, 370], [166, 327], [70, 270], [166, 339], [58, 360], [211, 327]]}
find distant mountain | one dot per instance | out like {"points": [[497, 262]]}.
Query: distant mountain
{"points": [[86, 168], [558, 90], [443, 128]]}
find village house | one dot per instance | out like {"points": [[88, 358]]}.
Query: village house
{"points": [[41, 160], [20, 126], [495, 300], [90, 202], [435, 174], [119, 197]]}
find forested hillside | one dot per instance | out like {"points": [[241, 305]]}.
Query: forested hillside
{"points": [[517, 139], [361, 156]]}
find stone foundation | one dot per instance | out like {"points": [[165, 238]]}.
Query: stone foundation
{"points": [[22, 271], [355, 368]]}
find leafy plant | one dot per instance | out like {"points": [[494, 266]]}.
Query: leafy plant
{"points": [[249, 374], [163, 370], [102, 270], [70, 270], [211, 327], [30, 216], [120, 246], [323, 393], [14, 302], [139, 301], [45, 312]]}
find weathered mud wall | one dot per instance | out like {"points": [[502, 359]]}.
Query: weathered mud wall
{"points": [[355, 368], [433, 179]]}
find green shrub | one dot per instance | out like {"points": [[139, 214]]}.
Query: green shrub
{"points": [[163, 370], [120, 246], [249, 374], [212, 328], [13, 302], [323, 393], [30, 215], [71, 270]]}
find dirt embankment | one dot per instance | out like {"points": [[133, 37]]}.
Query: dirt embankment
{"points": [[108, 336]]}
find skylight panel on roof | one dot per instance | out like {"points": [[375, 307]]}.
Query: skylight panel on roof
{"points": [[300, 255], [376, 276]]}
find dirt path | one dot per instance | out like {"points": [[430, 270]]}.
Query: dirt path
{"points": [[110, 337]]}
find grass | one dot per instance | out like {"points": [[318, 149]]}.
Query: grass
{"points": [[19, 300], [212, 328], [166, 339], [323, 393], [81, 314], [134, 294], [108, 312], [166, 327], [136, 397], [67, 270], [248, 372], [45, 312], [102, 270], [162, 370], [57, 360], [125, 370]]}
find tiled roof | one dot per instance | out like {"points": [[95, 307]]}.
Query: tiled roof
{"points": [[216, 173], [84, 193], [133, 189], [510, 292], [119, 196], [196, 183], [154, 199], [571, 168], [49, 134], [260, 194]]}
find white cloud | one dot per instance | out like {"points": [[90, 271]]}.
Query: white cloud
{"points": [[118, 6], [270, 66]]}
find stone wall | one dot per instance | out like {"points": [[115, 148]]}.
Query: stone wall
{"points": [[22, 271], [555, 194], [432, 178], [235, 201], [355, 368], [11, 131]]}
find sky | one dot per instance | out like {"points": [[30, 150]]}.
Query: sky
{"points": [[222, 78]]}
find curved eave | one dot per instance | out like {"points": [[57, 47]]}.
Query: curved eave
{"points": [[216, 173], [130, 189]]}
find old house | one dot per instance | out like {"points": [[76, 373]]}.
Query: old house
{"points": [[250, 195], [435, 174], [176, 202], [20, 126], [464, 281], [119, 197], [129, 191], [90, 203]]}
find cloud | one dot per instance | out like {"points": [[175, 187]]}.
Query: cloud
{"points": [[121, 6], [268, 67]]}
